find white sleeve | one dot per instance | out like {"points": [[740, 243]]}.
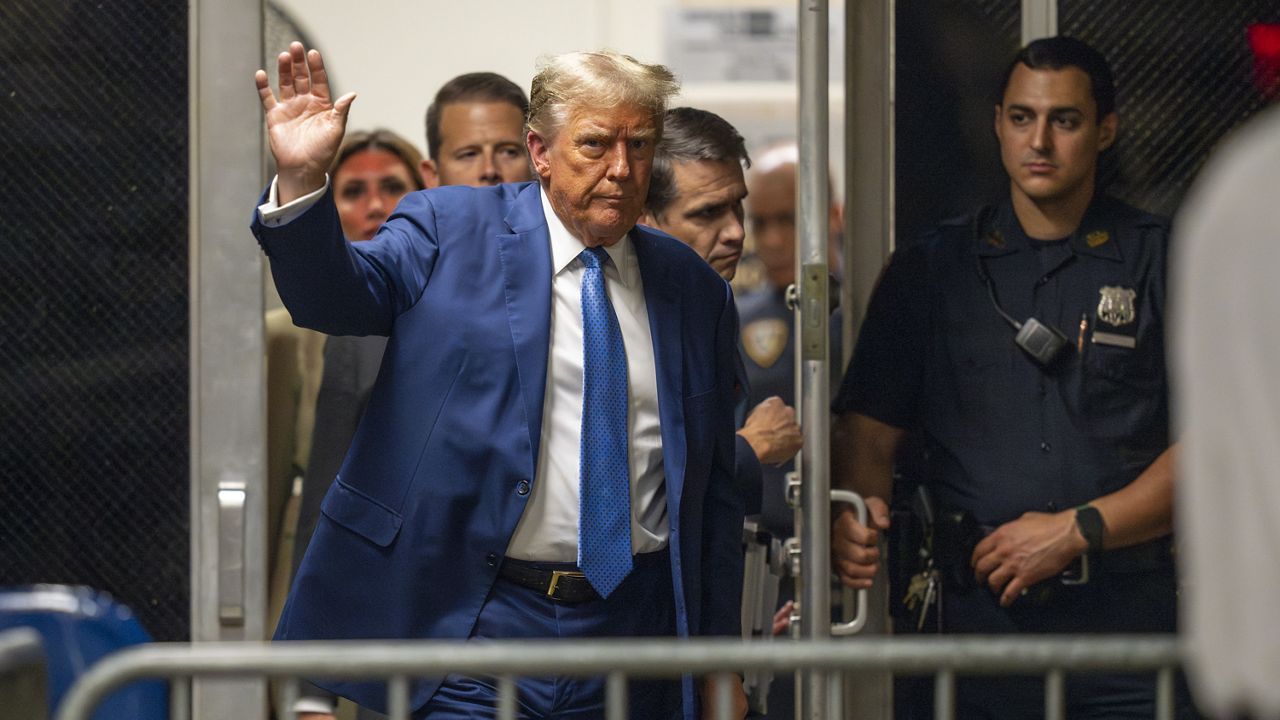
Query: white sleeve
{"points": [[323, 705], [275, 215]]}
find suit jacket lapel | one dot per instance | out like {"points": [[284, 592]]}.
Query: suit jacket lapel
{"points": [[526, 275], [663, 298]]}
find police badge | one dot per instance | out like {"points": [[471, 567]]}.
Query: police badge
{"points": [[764, 340], [1116, 306]]}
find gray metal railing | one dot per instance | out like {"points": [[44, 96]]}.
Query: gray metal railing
{"points": [[23, 677], [945, 657]]}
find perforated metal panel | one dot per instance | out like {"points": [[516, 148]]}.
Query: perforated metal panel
{"points": [[94, 467], [1183, 78], [1183, 74]]}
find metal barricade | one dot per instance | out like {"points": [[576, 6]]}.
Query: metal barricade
{"points": [[23, 678], [944, 657]]}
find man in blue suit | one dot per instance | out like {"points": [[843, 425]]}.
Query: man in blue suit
{"points": [[548, 450]]}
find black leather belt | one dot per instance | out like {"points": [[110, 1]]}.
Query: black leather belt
{"points": [[569, 586]]}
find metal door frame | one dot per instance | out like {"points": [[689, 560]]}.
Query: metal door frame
{"points": [[228, 400], [869, 230]]}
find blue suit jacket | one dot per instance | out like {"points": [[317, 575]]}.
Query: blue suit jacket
{"points": [[420, 515]]}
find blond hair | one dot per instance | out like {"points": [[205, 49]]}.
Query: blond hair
{"points": [[595, 79]]}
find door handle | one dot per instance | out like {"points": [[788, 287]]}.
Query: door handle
{"points": [[860, 616], [231, 517]]}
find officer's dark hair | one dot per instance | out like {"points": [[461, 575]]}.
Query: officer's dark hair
{"points": [[688, 135], [1056, 53], [476, 87]]}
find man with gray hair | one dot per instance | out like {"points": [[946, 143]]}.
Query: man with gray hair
{"points": [[548, 450]]}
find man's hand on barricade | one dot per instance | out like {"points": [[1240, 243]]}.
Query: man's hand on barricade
{"points": [[304, 126], [737, 697], [1023, 552], [315, 716], [855, 554], [772, 431]]}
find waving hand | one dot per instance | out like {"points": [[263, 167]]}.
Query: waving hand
{"points": [[304, 126]]}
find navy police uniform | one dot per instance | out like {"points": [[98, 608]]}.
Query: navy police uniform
{"points": [[769, 351], [1003, 434]]}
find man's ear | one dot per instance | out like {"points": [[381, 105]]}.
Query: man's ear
{"points": [[1107, 130], [427, 169], [995, 120], [539, 154]]}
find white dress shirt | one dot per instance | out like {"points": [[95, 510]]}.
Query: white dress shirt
{"points": [[273, 214], [548, 529]]}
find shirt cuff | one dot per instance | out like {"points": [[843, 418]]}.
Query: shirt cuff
{"points": [[273, 214], [323, 705]]}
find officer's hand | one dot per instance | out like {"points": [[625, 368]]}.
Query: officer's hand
{"points": [[855, 554], [772, 431], [1023, 552], [737, 697]]}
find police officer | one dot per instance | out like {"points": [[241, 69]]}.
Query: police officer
{"points": [[768, 325], [1023, 347]]}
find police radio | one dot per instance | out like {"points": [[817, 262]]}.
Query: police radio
{"points": [[1043, 342]]}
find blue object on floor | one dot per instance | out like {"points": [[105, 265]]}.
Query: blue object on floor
{"points": [[80, 626]]}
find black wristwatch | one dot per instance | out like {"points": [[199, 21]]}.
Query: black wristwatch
{"points": [[1089, 521]]}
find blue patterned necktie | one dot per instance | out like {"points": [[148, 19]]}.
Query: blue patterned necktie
{"points": [[604, 523]]}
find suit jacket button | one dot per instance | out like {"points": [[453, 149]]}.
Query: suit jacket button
{"points": [[522, 487], [491, 559]]}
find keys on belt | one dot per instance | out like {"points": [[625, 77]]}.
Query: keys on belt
{"points": [[923, 594], [569, 586]]}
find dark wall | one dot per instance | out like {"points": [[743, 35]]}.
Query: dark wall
{"points": [[950, 57], [94, 466], [1183, 80]]}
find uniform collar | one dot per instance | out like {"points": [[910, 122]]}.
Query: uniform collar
{"points": [[997, 232], [1097, 234]]}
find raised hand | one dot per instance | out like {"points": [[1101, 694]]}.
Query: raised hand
{"points": [[304, 126]]}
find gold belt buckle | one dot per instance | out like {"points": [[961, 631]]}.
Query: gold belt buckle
{"points": [[555, 579]]}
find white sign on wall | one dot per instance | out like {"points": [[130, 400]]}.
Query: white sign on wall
{"points": [[716, 45]]}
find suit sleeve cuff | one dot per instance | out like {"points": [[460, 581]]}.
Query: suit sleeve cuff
{"points": [[749, 474], [273, 214], [325, 706]]}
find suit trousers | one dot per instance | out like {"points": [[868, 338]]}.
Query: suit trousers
{"points": [[642, 606]]}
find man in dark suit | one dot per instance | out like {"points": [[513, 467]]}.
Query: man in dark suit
{"points": [[695, 196], [548, 450]]}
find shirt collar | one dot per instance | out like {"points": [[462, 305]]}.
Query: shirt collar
{"points": [[565, 248]]}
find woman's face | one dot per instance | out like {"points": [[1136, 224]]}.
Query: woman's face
{"points": [[367, 186]]}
